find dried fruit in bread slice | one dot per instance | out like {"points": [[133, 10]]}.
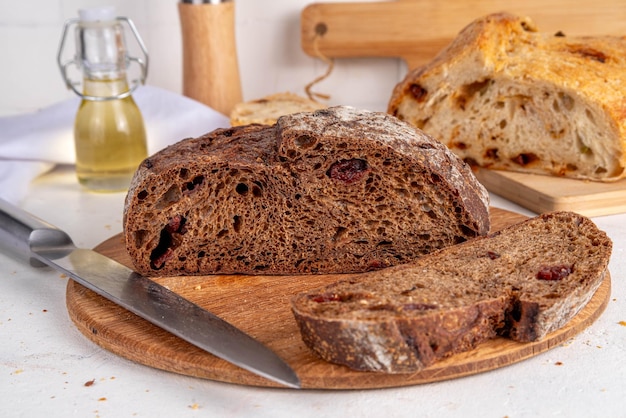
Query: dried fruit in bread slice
{"points": [[522, 283], [333, 191]]}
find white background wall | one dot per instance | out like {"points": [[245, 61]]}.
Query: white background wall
{"points": [[268, 40]]}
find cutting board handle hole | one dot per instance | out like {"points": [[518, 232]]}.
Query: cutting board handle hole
{"points": [[321, 29]]}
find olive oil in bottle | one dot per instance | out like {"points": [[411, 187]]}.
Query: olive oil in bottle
{"points": [[109, 132], [109, 137]]}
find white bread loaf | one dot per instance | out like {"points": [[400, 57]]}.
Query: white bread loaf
{"points": [[505, 96]]}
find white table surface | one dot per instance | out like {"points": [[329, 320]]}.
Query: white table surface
{"points": [[45, 362]]}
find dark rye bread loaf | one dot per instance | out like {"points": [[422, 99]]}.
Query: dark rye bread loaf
{"points": [[506, 96], [522, 283], [333, 191]]}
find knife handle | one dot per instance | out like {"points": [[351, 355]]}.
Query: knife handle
{"points": [[24, 234]]}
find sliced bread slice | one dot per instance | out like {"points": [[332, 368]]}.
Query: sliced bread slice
{"points": [[522, 283]]}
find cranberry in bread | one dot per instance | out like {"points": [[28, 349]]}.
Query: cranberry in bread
{"points": [[522, 283], [337, 190], [505, 96]]}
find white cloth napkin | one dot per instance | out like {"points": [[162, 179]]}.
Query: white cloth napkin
{"points": [[33, 143]]}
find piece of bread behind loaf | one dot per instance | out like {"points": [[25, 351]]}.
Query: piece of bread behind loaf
{"points": [[506, 96], [337, 190], [268, 109], [522, 282]]}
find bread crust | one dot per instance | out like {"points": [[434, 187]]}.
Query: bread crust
{"points": [[333, 191], [505, 96], [521, 283]]}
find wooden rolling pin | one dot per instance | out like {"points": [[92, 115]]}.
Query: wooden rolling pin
{"points": [[210, 66]]}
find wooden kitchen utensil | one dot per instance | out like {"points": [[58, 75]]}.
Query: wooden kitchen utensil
{"points": [[210, 65]]}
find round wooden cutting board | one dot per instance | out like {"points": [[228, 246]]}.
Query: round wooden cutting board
{"points": [[259, 305]]}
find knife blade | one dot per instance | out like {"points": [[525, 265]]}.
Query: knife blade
{"points": [[25, 235]]}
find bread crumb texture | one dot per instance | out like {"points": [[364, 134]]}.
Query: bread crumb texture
{"points": [[337, 190], [521, 283], [505, 96]]}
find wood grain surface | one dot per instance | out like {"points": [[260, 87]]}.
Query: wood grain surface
{"points": [[416, 30], [210, 64], [259, 305], [548, 193]]}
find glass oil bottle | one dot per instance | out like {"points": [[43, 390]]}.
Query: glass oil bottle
{"points": [[109, 132]]}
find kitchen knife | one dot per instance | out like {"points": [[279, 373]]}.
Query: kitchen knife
{"points": [[28, 236]]}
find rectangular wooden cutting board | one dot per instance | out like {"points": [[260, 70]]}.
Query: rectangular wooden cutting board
{"points": [[416, 30], [546, 193]]}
